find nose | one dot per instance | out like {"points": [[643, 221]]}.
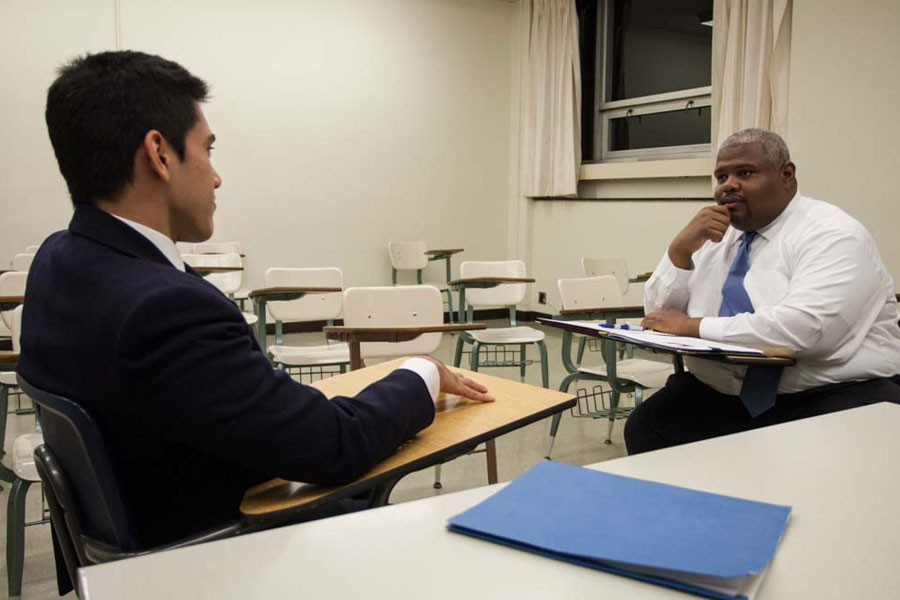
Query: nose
{"points": [[217, 181], [730, 184]]}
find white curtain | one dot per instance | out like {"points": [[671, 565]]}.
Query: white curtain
{"points": [[551, 123], [750, 66]]}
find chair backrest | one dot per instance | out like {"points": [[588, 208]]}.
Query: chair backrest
{"points": [[617, 267], [218, 248], [408, 305], [12, 283], [31, 249], [506, 294], [589, 292], [229, 282], [78, 472], [408, 255], [312, 307], [22, 261], [185, 248]]}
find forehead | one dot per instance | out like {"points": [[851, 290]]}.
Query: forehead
{"points": [[742, 154], [200, 129]]}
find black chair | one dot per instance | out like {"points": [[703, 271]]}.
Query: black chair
{"points": [[87, 509]]}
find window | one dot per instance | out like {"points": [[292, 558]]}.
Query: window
{"points": [[646, 69]]}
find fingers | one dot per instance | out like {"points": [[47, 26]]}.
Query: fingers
{"points": [[474, 390]]}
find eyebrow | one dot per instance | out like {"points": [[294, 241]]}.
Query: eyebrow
{"points": [[738, 166]]}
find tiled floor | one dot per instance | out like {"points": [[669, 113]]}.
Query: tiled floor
{"points": [[580, 441]]}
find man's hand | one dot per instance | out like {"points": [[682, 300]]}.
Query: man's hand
{"points": [[708, 224], [453, 383], [674, 321]]}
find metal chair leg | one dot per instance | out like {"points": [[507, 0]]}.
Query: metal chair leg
{"points": [[437, 477], [473, 358], [545, 367], [450, 305], [4, 405], [581, 344], [457, 356], [15, 536], [613, 405], [522, 351], [554, 423]]}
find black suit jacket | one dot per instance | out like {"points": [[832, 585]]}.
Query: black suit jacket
{"points": [[193, 412]]}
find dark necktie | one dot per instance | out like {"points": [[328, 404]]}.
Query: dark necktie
{"points": [[760, 383]]}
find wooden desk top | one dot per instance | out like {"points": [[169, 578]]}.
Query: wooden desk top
{"points": [[10, 302], [442, 253], [609, 309], [459, 425], [392, 334], [774, 356], [8, 357], [474, 281], [207, 270], [277, 291]]}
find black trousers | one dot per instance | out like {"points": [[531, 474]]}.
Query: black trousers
{"points": [[687, 410]]}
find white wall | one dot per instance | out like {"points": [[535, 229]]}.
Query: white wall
{"points": [[340, 125]]}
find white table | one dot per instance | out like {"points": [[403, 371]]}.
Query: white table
{"points": [[839, 472]]}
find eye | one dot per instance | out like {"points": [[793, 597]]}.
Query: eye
{"points": [[745, 172], [721, 178]]}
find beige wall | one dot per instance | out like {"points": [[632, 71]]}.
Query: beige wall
{"points": [[341, 124]]}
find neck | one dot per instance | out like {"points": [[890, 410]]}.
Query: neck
{"points": [[144, 212]]}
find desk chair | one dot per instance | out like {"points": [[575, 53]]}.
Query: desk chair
{"points": [[313, 361], [404, 306], [22, 261], [25, 471], [495, 340], [32, 248], [8, 384], [599, 298], [225, 271], [12, 294], [241, 295], [618, 268], [411, 256], [81, 484]]}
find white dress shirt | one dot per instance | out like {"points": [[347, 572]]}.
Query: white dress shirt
{"points": [[818, 286], [421, 367]]}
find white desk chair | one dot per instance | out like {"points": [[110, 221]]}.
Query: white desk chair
{"points": [[185, 248], [403, 306], [598, 267], [25, 471], [241, 295], [496, 339], [8, 383], [32, 249], [598, 298], [12, 284], [22, 261], [225, 271], [317, 361], [410, 256]]}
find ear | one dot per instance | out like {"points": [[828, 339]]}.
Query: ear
{"points": [[159, 154], [788, 172]]}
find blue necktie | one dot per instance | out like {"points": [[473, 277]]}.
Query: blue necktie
{"points": [[760, 383]]}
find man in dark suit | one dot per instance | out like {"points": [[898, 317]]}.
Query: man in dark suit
{"points": [[193, 412]]}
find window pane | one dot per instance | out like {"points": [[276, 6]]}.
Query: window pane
{"points": [[658, 46], [673, 128]]}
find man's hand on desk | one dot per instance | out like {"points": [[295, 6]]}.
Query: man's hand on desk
{"points": [[672, 321], [708, 224], [453, 383]]}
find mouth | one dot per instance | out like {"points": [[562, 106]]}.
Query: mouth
{"points": [[731, 202]]}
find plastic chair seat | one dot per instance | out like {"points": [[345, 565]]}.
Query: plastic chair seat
{"points": [[8, 378], [23, 456], [303, 356], [645, 373], [250, 318], [241, 294], [508, 335]]}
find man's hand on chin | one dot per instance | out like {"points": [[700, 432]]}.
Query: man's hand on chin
{"points": [[672, 321]]}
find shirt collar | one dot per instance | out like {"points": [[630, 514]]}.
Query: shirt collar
{"points": [[161, 241], [769, 231]]}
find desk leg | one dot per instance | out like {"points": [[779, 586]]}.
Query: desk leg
{"points": [[490, 448], [678, 363], [381, 493], [355, 358]]}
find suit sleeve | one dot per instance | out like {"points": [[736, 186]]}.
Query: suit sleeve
{"points": [[188, 354]]}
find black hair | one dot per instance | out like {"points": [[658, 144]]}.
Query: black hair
{"points": [[102, 105]]}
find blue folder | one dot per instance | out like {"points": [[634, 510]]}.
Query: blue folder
{"points": [[708, 544]]}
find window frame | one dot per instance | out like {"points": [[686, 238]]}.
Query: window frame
{"points": [[642, 105]]}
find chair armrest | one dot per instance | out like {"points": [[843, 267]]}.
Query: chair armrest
{"points": [[10, 302], [100, 552], [7, 358], [609, 312], [392, 334], [208, 270]]}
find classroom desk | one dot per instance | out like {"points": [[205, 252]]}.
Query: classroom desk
{"points": [[10, 302], [480, 283], [459, 425], [263, 296], [841, 541]]}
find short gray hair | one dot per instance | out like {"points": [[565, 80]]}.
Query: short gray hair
{"points": [[774, 148]]}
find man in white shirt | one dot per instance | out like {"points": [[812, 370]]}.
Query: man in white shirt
{"points": [[766, 266]]}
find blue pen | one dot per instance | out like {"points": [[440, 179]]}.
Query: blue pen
{"points": [[622, 326]]}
